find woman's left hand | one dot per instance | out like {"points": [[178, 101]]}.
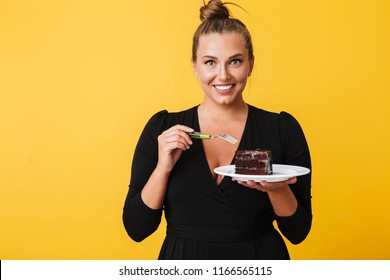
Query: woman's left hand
{"points": [[265, 186]]}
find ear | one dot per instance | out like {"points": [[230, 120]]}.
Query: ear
{"points": [[193, 63], [251, 64]]}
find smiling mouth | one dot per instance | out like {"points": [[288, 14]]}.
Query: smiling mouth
{"points": [[223, 87]]}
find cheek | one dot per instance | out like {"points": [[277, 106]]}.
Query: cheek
{"points": [[206, 77], [242, 76]]}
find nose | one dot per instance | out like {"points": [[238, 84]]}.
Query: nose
{"points": [[224, 73]]}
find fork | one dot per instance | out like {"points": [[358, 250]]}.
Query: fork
{"points": [[224, 136]]}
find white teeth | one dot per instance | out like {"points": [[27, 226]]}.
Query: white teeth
{"points": [[224, 87]]}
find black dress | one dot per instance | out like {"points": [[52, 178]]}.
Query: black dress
{"points": [[225, 221]]}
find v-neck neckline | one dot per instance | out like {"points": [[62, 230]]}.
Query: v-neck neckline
{"points": [[204, 157]]}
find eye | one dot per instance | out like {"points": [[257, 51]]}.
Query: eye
{"points": [[235, 62], [209, 63]]}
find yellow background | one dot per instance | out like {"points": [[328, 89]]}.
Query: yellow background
{"points": [[79, 79]]}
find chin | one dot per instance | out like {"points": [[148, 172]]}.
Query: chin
{"points": [[228, 101]]}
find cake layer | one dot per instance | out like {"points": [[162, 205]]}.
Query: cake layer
{"points": [[253, 162]]}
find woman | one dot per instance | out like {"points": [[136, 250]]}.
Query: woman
{"points": [[210, 216]]}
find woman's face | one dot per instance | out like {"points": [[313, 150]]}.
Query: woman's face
{"points": [[223, 67]]}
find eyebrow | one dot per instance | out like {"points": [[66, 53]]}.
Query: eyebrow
{"points": [[233, 56]]}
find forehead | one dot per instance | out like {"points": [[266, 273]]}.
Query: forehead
{"points": [[221, 45]]}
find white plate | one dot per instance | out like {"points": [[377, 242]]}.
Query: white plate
{"points": [[281, 172]]}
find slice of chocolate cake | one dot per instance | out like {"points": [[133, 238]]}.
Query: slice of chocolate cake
{"points": [[253, 162]]}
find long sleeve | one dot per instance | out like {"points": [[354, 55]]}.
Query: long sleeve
{"points": [[196, 208], [296, 152], [139, 220]]}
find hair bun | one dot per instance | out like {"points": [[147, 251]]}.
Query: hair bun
{"points": [[214, 9]]}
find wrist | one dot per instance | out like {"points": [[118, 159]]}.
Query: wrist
{"points": [[162, 171]]}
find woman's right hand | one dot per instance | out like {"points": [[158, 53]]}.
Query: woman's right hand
{"points": [[171, 143]]}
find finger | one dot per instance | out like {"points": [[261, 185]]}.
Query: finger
{"points": [[180, 127], [175, 131], [273, 185], [184, 128], [170, 143], [242, 183], [179, 130], [171, 146], [252, 184], [187, 137], [292, 180], [179, 138]]}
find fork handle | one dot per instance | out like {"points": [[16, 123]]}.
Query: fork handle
{"points": [[200, 135]]}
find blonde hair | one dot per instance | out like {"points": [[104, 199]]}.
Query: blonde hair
{"points": [[216, 18]]}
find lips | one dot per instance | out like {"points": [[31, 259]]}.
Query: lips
{"points": [[224, 88]]}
